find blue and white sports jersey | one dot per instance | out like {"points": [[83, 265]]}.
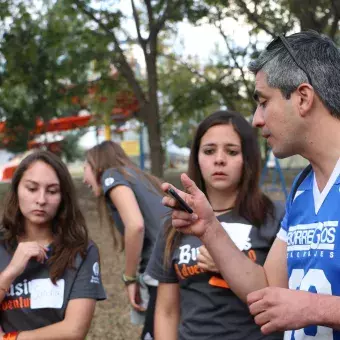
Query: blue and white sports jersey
{"points": [[312, 232]]}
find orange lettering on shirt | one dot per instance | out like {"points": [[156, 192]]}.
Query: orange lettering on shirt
{"points": [[10, 336], [185, 271], [27, 303], [18, 303], [191, 270], [218, 282], [178, 272]]}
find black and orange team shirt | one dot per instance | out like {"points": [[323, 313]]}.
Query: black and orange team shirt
{"points": [[149, 202], [33, 301], [208, 308]]}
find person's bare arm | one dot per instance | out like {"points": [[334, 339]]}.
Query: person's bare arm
{"points": [[167, 312], [275, 275], [6, 279], [275, 266], [75, 326], [126, 203], [24, 252], [242, 274], [280, 309]]}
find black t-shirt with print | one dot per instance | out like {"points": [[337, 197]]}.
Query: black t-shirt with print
{"points": [[149, 202], [208, 308], [33, 301]]}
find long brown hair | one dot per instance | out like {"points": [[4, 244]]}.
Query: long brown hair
{"points": [[251, 203], [110, 155], [70, 235]]}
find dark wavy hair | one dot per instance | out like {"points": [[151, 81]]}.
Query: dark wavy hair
{"points": [[70, 235]]}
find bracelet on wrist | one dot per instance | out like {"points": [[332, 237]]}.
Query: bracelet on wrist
{"points": [[129, 279]]}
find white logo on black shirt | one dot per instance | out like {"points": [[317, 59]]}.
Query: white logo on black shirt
{"points": [[109, 181], [248, 244], [96, 269], [187, 253], [148, 336], [239, 234], [95, 277]]}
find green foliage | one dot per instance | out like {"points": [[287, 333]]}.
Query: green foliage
{"points": [[51, 55], [191, 91], [185, 100], [265, 19], [70, 148], [46, 60]]}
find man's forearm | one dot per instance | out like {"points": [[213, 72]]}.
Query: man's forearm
{"points": [[242, 274], [325, 311]]}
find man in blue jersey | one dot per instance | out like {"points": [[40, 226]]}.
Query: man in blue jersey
{"points": [[298, 95]]}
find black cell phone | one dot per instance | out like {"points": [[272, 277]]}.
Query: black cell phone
{"points": [[180, 201]]}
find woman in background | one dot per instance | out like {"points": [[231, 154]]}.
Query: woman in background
{"points": [[133, 198]]}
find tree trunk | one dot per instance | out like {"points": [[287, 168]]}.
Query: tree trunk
{"points": [[151, 120], [151, 113]]}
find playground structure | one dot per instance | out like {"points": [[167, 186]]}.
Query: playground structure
{"points": [[118, 114], [76, 122], [276, 171]]}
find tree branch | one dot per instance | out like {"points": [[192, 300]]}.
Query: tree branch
{"points": [[335, 24], [175, 105], [155, 27], [245, 82], [324, 21], [194, 70], [160, 22], [120, 60], [334, 27], [214, 85], [150, 13], [141, 40], [254, 17], [170, 5], [336, 7]]}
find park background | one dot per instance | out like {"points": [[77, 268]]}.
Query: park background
{"points": [[143, 73]]}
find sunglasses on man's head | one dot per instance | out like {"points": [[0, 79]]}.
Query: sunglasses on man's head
{"points": [[286, 44]]}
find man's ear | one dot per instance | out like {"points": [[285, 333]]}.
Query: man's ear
{"points": [[305, 96]]}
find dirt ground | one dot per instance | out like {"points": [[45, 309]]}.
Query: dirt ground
{"points": [[111, 319]]}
